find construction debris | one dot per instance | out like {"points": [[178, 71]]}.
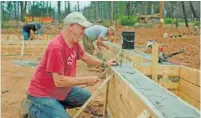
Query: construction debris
{"points": [[26, 63]]}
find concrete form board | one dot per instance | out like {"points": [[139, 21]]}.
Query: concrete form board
{"points": [[161, 101]]}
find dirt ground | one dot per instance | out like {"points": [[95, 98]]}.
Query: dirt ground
{"points": [[190, 58], [15, 78], [190, 42]]}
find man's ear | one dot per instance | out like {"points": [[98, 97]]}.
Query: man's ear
{"points": [[71, 27]]}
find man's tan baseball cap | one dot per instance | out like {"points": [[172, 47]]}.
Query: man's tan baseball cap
{"points": [[113, 29], [76, 17]]}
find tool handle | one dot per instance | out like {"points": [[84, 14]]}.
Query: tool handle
{"points": [[93, 96]]}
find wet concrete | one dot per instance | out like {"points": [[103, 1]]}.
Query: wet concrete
{"points": [[162, 101]]}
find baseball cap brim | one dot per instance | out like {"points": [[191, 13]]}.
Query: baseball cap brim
{"points": [[85, 24]]}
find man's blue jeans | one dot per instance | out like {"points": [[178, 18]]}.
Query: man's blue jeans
{"points": [[26, 35], [52, 108]]}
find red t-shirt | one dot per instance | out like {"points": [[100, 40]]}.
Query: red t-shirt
{"points": [[58, 58]]}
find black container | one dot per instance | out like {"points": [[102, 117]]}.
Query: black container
{"points": [[128, 40]]}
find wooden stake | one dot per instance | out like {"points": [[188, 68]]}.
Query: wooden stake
{"points": [[93, 96], [106, 100], [22, 48], [155, 62]]}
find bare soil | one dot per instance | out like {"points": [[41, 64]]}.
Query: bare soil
{"points": [[15, 79]]}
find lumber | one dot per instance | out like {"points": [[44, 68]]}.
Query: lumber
{"points": [[133, 91], [93, 95]]}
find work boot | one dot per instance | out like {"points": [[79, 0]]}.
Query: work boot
{"points": [[23, 111]]}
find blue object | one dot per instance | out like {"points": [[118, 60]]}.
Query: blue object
{"points": [[39, 28], [26, 35], [51, 108]]}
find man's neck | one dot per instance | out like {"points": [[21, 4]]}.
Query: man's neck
{"points": [[67, 37]]}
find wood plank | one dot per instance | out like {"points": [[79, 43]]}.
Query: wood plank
{"points": [[189, 89], [176, 92], [155, 62], [109, 111], [137, 92], [198, 78], [171, 85], [172, 70], [188, 99], [129, 105], [106, 100], [188, 74], [137, 62], [197, 105]]}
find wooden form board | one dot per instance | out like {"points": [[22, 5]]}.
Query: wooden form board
{"points": [[189, 89], [34, 48], [186, 73], [189, 86], [122, 102], [172, 70], [176, 92], [130, 93], [190, 75], [138, 61]]}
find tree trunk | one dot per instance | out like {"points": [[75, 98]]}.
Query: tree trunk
{"points": [[184, 11], [47, 9], [152, 8], [145, 9], [111, 20], [69, 7], [25, 7], [193, 10], [15, 7], [78, 6], [2, 8], [65, 6], [32, 11], [21, 8], [43, 11], [177, 22], [128, 8], [59, 10], [18, 13], [96, 9]]}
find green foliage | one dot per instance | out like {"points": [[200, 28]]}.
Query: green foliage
{"points": [[168, 20], [196, 22], [106, 23], [128, 21]]}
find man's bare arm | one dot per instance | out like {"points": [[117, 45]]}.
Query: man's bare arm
{"points": [[32, 34], [100, 42], [64, 81], [89, 59]]}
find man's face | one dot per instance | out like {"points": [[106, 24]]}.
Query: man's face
{"points": [[110, 33], [77, 31]]}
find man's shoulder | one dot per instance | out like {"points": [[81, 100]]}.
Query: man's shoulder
{"points": [[55, 43]]}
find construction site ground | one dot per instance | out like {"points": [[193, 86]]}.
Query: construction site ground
{"points": [[15, 79]]}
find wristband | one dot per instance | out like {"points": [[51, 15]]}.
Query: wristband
{"points": [[103, 64]]}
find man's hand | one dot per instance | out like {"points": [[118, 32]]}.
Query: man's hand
{"points": [[111, 62], [92, 80]]}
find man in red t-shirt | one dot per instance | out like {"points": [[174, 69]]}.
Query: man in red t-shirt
{"points": [[54, 85]]}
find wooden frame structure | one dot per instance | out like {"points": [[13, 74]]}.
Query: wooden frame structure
{"points": [[132, 101], [187, 84]]}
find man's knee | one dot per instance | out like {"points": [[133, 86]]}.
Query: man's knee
{"points": [[86, 96]]}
